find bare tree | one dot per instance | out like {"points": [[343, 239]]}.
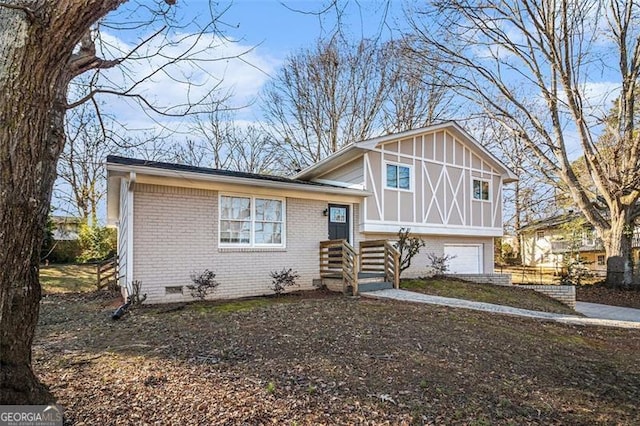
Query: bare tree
{"points": [[81, 174], [415, 96], [44, 45], [505, 55], [532, 195], [325, 98], [254, 151], [220, 142]]}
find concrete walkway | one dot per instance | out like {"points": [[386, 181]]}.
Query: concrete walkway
{"points": [[410, 296], [596, 310]]}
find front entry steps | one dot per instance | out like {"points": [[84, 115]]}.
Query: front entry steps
{"points": [[371, 281]]}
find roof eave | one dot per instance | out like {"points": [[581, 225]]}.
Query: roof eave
{"points": [[351, 152], [152, 171]]}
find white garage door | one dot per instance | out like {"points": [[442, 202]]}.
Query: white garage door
{"points": [[467, 260]]}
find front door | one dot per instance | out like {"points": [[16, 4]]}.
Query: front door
{"points": [[338, 222]]}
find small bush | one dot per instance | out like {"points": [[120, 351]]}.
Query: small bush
{"points": [[283, 279], [135, 299], [204, 283], [408, 246], [439, 264], [576, 272]]}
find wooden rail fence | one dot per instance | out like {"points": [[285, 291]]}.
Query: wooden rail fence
{"points": [[107, 272]]}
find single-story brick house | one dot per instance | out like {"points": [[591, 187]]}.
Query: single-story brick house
{"points": [[174, 219]]}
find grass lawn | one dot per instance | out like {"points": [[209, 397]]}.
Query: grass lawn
{"points": [[488, 293], [330, 360], [67, 278]]}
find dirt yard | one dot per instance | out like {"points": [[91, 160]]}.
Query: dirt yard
{"points": [[329, 360]]}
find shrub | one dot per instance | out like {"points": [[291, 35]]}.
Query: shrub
{"points": [[439, 264], [283, 279], [203, 284], [408, 246], [134, 298], [133, 301], [65, 251], [576, 271], [96, 243]]}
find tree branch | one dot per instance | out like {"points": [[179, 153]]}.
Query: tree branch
{"points": [[86, 58]]}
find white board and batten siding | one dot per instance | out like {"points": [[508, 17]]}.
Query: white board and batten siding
{"points": [[440, 199]]}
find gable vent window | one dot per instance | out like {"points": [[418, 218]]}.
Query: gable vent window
{"points": [[398, 177]]}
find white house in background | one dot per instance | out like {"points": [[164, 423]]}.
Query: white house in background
{"points": [[174, 219], [66, 228], [550, 242]]}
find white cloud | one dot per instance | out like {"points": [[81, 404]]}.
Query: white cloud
{"points": [[207, 63]]}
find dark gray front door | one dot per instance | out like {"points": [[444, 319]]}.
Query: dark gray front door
{"points": [[338, 222]]}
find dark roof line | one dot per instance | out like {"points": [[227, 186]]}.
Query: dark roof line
{"points": [[551, 222], [114, 159]]}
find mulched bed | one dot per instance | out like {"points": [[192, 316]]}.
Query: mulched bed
{"points": [[331, 360], [600, 294]]}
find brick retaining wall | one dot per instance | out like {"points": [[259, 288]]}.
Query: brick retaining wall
{"points": [[564, 293], [497, 279]]}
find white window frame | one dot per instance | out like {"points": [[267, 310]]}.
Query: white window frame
{"points": [[588, 237], [252, 228], [473, 195], [540, 235], [398, 165], [599, 258]]}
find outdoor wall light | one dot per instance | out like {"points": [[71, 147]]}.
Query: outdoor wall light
{"points": [[325, 212]]}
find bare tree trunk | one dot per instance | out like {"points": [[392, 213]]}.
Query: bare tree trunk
{"points": [[37, 39], [27, 173], [517, 224], [617, 245]]}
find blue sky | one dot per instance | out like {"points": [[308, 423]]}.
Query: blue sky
{"points": [[284, 26], [265, 32]]}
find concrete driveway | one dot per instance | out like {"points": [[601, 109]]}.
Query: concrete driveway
{"points": [[595, 310]]}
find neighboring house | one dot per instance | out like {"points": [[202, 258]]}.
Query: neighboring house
{"points": [[66, 228], [550, 242], [175, 219]]}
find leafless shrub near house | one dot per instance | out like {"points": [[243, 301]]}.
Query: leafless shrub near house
{"points": [[283, 279], [439, 264], [204, 283], [408, 246]]}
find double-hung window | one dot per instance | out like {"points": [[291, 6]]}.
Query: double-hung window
{"points": [[398, 177], [251, 221]]}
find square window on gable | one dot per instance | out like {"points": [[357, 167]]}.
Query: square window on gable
{"points": [[480, 190], [398, 177]]}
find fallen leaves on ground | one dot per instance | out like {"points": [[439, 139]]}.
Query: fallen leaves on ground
{"points": [[331, 360], [598, 293]]}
